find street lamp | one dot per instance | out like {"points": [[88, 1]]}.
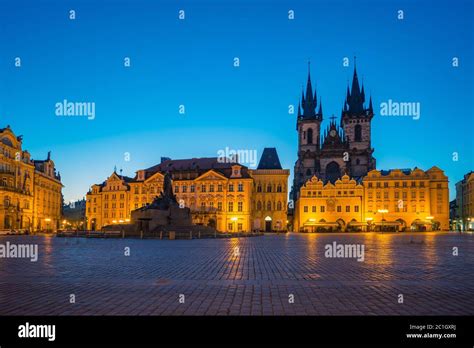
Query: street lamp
{"points": [[430, 219], [383, 212], [369, 222]]}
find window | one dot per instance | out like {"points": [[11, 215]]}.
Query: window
{"points": [[313, 209], [269, 188], [219, 206], [259, 205], [231, 206], [279, 188], [310, 136], [240, 187], [231, 187], [203, 205], [385, 195], [385, 184], [203, 188], [185, 189], [339, 208], [358, 133], [240, 206], [192, 188], [229, 226], [305, 209], [356, 208], [322, 208], [348, 208], [219, 188], [259, 188], [269, 205], [239, 226], [279, 205]]}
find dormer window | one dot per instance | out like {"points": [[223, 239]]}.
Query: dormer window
{"points": [[236, 171]]}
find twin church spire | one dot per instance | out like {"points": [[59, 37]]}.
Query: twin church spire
{"points": [[353, 103], [309, 102], [355, 98]]}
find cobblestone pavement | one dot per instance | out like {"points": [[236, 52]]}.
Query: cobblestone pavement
{"points": [[246, 276]]}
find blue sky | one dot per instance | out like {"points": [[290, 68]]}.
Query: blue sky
{"points": [[190, 62]]}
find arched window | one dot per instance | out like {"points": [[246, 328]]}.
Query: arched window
{"points": [[259, 205], [310, 136], [259, 188], [279, 205], [333, 172], [269, 188], [358, 133], [269, 205]]}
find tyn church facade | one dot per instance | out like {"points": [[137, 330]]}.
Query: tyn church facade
{"points": [[343, 148]]}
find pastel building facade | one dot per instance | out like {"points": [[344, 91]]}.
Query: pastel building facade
{"points": [[222, 194]]}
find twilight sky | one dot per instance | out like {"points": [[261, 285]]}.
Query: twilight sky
{"points": [[190, 62]]}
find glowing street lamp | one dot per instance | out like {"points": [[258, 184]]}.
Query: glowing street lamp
{"points": [[383, 212]]}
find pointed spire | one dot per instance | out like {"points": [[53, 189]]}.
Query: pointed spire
{"points": [[356, 98], [115, 169], [370, 105], [299, 110], [308, 99], [309, 87], [362, 93], [320, 111]]}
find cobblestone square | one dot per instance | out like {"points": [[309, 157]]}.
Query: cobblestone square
{"points": [[242, 276]]}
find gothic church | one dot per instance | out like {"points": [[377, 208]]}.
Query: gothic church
{"points": [[343, 148]]}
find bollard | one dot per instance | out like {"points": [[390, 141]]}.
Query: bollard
{"points": [[190, 235], [199, 235], [161, 234], [215, 234]]}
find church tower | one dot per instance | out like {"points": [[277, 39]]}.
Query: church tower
{"points": [[356, 121], [308, 125]]}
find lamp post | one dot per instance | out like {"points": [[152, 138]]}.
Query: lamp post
{"points": [[383, 212], [369, 222], [430, 219]]}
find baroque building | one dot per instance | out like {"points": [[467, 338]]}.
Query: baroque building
{"points": [[393, 200], [464, 208], [222, 194], [30, 190]]}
